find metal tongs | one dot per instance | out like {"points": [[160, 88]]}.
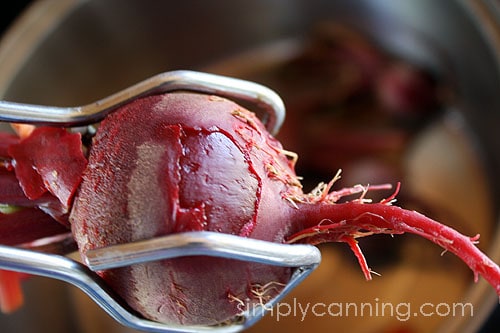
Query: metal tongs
{"points": [[232, 88], [304, 258]]}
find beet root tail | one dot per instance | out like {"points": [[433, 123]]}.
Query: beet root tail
{"points": [[344, 222]]}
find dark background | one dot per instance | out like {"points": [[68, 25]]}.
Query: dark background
{"points": [[9, 10]]}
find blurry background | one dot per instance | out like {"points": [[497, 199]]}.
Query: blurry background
{"points": [[10, 12], [57, 309]]}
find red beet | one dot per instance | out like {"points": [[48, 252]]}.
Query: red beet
{"points": [[405, 90], [186, 162]]}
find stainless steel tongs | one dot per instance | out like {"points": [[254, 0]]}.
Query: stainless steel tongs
{"points": [[304, 258], [232, 88]]}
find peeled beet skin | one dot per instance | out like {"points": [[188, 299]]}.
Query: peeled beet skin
{"points": [[187, 162]]}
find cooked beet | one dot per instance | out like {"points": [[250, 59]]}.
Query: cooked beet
{"points": [[187, 162]]}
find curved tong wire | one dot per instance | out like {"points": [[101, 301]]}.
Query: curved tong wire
{"points": [[263, 98], [305, 257]]}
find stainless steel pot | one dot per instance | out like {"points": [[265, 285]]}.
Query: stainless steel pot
{"points": [[69, 52]]}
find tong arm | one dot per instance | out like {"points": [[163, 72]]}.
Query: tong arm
{"points": [[202, 243], [231, 88], [305, 257]]}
